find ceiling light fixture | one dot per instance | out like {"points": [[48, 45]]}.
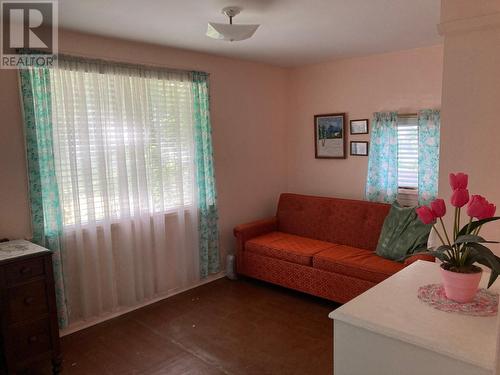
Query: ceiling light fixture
{"points": [[230, 32]]}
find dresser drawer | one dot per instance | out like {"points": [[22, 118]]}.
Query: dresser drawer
{"points": [[29, 340], [28, 309], [26, 301], [24, 270]]}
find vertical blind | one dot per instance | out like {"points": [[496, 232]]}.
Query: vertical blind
{"points": [[407, 152]]}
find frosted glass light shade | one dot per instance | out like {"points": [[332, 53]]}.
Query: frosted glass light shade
{"points": [[224, 31]]}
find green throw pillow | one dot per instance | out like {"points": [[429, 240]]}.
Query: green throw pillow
{"points": [[402, 233]]}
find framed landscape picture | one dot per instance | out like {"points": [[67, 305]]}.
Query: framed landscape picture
{"points": [[359, 148], [330, 136], [359, 126]]}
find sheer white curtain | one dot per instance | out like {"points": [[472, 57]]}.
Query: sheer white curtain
{"points": [[124, 153]]}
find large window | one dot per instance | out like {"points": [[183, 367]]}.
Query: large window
{"points": [[123, 142], [121, 180], [407, 160]]}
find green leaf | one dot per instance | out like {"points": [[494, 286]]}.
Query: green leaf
{"points": [[441, 255], [482, 255], [467, 238], [493, 274], [493, 277], [472, 257], [485, 253], [476, 224], [470, 260], [486, 257], [443, 248]]}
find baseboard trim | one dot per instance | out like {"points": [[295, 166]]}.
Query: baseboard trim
{"points": [[78, 326]]}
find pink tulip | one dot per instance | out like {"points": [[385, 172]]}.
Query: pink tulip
{"points": [[488, 212], [480, 208], [459, 181], [426, 215], [438, 207], [460, 197]]}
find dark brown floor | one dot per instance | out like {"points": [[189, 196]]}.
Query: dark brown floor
{"points": [[224, 327]]}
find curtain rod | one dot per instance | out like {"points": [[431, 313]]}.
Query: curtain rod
{"points": [[101, 61], [407, 114]]}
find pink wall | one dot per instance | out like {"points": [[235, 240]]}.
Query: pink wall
{"points": [[470, 133], [453, 10], [262, 119], [14, 219], [404, 81], [248, 119]]}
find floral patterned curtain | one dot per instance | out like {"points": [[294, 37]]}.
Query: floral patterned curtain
{"points": [[207, 198], [429, 123], [382, 178], [46, 215]]}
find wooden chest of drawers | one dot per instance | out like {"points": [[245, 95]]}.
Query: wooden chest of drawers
{"points": [[28, 314]]}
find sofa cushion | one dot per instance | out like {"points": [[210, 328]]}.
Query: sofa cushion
{"points": [[341, 221], [287, 247], [402, 233], [354, 262]]}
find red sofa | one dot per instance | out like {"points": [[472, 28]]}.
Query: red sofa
{"points": [[321, 246]]}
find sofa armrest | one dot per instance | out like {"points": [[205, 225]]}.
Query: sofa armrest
{"points": [[245, 232], [416, 257]]}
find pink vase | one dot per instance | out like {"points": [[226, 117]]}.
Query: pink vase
{"points": [[460, 287]]}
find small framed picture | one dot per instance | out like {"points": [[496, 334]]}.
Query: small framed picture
{"points": [[359, 148], [330, 136], [359, 126]]}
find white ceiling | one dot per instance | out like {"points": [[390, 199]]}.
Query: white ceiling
{"points": [[292, 32]]}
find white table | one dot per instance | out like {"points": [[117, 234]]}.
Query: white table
{"points": [[388, 330]]}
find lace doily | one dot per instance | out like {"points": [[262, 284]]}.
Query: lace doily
{"points": [[485, 303]]}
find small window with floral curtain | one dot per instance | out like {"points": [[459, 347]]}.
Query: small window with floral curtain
{"points": [[403, 164]]}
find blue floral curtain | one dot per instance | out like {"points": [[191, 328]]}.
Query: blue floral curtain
{"points": [[46, 217], [382, 178], [207, 197], [429, 123]]}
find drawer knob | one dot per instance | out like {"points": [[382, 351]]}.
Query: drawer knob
{"points": [[25, 270], [29, 300], [33, 339]]}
